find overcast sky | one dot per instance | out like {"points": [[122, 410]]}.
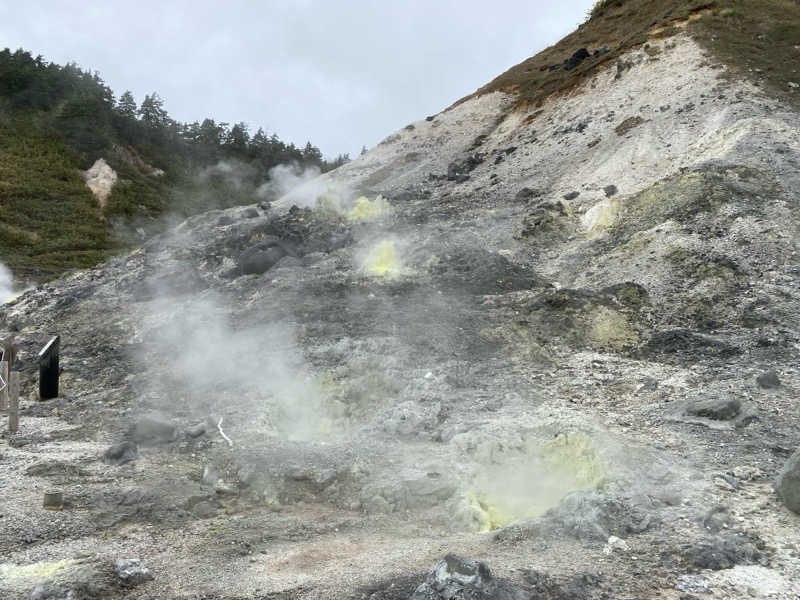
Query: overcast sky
{"points": [[340, 74]]}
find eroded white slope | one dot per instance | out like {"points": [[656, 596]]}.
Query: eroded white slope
{"points": [[655, 111]]}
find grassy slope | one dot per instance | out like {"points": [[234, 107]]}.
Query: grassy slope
{"points": [[49, 221], [744, 34]]}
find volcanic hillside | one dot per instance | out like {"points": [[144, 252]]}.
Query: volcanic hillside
{"points": [[554, 328]]}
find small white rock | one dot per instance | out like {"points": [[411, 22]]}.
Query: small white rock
{"points": [[615, 543]]}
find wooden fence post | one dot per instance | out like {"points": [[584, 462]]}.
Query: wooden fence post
{"points": [[4, 385], [13, 402]]}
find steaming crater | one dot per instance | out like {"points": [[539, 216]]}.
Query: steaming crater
{"points": [[528, 484]]}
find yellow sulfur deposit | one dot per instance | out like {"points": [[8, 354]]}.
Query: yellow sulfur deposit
{"points": [[382, 260], [611, 329], [491, 516], [529, 485], [366, 210], [36, 571], [329, 203]]}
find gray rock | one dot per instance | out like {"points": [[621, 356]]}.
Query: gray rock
{"points": [[258, 260], [610, 190], [722, 552], [454, 578], [526, 194], [152, 430], [249, 213], [787, 485], [121, 453], [459, 170], [571, 195], [718, 409], [768, 380], [195, 431], [596, 516], [86, 579], [131, 572]]}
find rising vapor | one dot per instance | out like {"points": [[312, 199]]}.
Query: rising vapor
{"points": [[6, 284]]}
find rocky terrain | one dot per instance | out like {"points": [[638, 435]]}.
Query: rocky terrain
{"points": [[514, 351]]}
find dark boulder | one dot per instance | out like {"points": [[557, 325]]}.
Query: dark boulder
{"points": [[152, 430], [571, 195], [787, 485], [722, 552], [526, 194], [577, 58], [255, 261], [685, 346], [610, 190], [455, 578], [718, 409], [264, 255], [459, 170], [121, 453]]}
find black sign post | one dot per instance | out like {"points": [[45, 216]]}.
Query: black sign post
{"points": [[49, 369]]}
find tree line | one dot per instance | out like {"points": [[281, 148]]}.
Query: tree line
{"points": [[78, 106]]}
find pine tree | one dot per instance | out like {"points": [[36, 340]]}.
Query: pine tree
{"points": [[312, 155], [152, 111], [127, 105], [238, 137]]}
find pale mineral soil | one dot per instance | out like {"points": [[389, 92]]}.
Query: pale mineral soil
{"points": [[517, 342]]}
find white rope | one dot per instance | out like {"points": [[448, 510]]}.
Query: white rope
{"points": [[222, 433]]}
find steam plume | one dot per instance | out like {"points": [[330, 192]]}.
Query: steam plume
{"points": [[6, 284]]}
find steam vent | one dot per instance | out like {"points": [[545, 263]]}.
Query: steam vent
{"points": [[544, 344]]}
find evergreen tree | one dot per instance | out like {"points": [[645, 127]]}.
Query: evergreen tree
{"points": [[152, 111], [127, 105], [211, 134], [238, 137], [312, 155]]}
